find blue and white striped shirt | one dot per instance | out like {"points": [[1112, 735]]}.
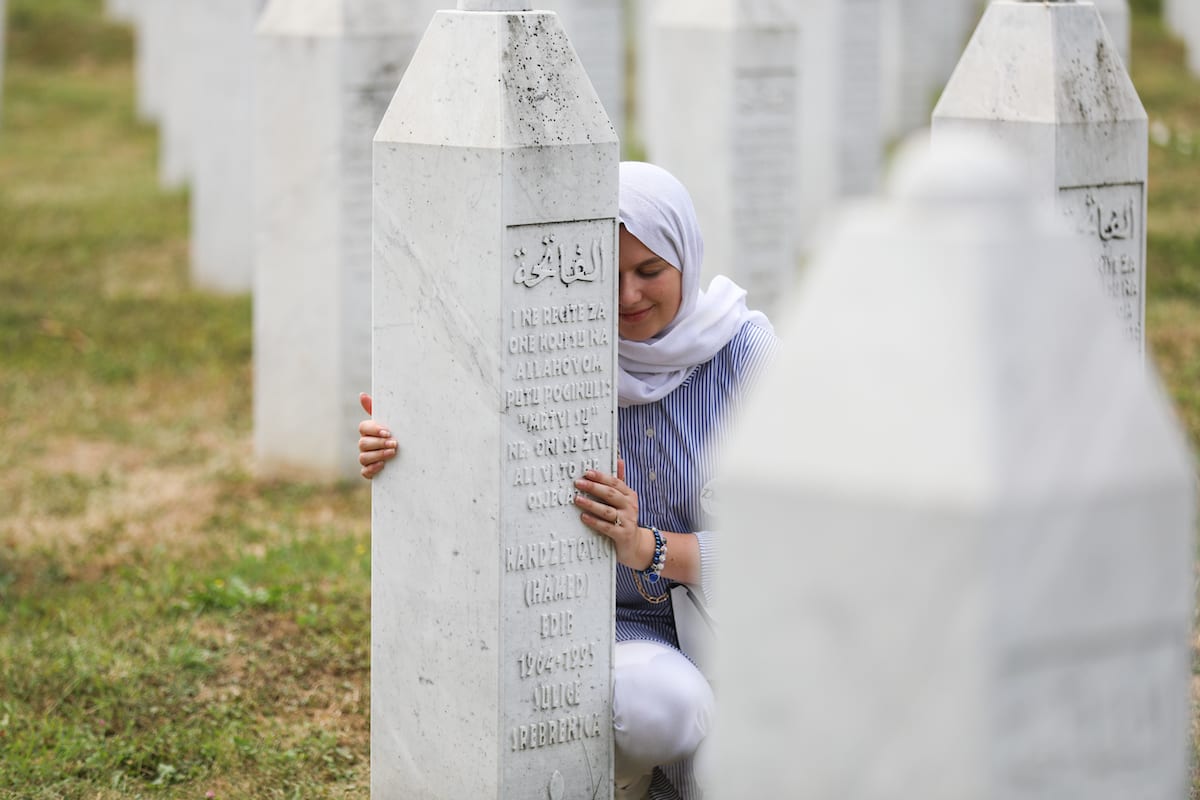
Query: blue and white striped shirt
{"points": [[671, 449]]}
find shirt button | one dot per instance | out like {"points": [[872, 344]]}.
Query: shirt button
{"points": [[650, 432], [653, 476]]}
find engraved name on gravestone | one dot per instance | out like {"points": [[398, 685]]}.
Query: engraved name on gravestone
{"points": [[558, 392]]}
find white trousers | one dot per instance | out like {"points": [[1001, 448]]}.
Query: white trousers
{"points": [[662, 710]]}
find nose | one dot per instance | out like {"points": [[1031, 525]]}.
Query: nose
{"points": [[628, 292]]}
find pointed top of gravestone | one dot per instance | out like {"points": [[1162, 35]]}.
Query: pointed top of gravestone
{"points": [[539, 95], [1053, 72], [495, 5]]}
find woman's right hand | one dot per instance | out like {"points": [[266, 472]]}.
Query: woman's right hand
{"points": [[375, 444]]}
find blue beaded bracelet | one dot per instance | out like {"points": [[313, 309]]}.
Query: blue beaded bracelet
{"points": [[654, 571]]}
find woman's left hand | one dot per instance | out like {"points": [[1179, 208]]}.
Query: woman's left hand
{"points": [[610, 508]]}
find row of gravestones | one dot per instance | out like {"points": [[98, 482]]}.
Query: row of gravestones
{"points": [[765, 172], [977, 533], [963, 510]]}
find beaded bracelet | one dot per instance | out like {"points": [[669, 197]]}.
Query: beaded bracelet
{"points": [[654, 571]]}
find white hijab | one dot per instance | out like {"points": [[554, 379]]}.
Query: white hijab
{"points": [[656, 208]]}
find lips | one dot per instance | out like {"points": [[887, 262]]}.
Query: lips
{"points": [[636, 316]]}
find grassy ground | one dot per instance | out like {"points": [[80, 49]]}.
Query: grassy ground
{"points": [[170, 625]]}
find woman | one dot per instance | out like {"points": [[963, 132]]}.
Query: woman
{"points": [[685, 359]]}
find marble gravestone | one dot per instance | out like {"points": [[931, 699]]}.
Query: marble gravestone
{"points": [[597, 31], [1183, 17], [222, 207], [494, 350], [979, 525], [733, 139], [117, 9], [841, 138], [326, 72], [921, 43], [1046, 79], [152, 51], [183, 87], [643, 19]]}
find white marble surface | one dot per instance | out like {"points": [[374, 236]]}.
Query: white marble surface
{"points": [[643, 14], [1183, 17], [222, 200], [733, 138], [975, 513], [1116, 16], [495, 201], [119, 9], [157, 59], [921, 43], [597, 31], [326, 72], [183, 25], [1045, 78], [151, 50]]}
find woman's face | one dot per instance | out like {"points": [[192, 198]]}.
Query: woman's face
{"points": [[650, 293]]}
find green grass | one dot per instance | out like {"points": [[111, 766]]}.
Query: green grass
{"points": [[171, 625]]}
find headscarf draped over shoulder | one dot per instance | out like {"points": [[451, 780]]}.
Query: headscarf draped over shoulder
{"points": [[656, 208]]}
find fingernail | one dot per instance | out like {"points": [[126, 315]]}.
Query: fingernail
{"points": [[393, 444], [385, 433]]}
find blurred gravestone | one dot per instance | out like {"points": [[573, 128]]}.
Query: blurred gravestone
{"points": [[643, 19], [123, 10], [182, 87], [222, 201], [152, 49], [841, 147], [732, 137], [494, 271], [1183, 17], [921, 42], [1045, 79], [326, 73], [975, 512]]}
